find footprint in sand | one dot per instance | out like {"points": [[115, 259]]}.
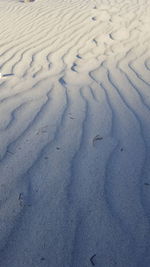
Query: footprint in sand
{"points": [[73, 67], [78, 56], [97, 138], [121, 34], [94, 18], [95, 41]]}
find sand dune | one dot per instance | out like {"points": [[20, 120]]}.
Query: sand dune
{"points": [[75, 133]]}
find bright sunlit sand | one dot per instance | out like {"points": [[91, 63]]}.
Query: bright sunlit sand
{"points": [[75, 133]]}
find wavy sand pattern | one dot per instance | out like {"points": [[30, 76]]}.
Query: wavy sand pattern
{"points": [[75, 133]]}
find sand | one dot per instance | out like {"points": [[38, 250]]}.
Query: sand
{"points": [[75, 133]]}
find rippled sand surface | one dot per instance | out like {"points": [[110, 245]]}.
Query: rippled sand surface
{"points": [[75, 133]]}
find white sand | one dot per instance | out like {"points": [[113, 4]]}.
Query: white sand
{"points": [[75, 133]]}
